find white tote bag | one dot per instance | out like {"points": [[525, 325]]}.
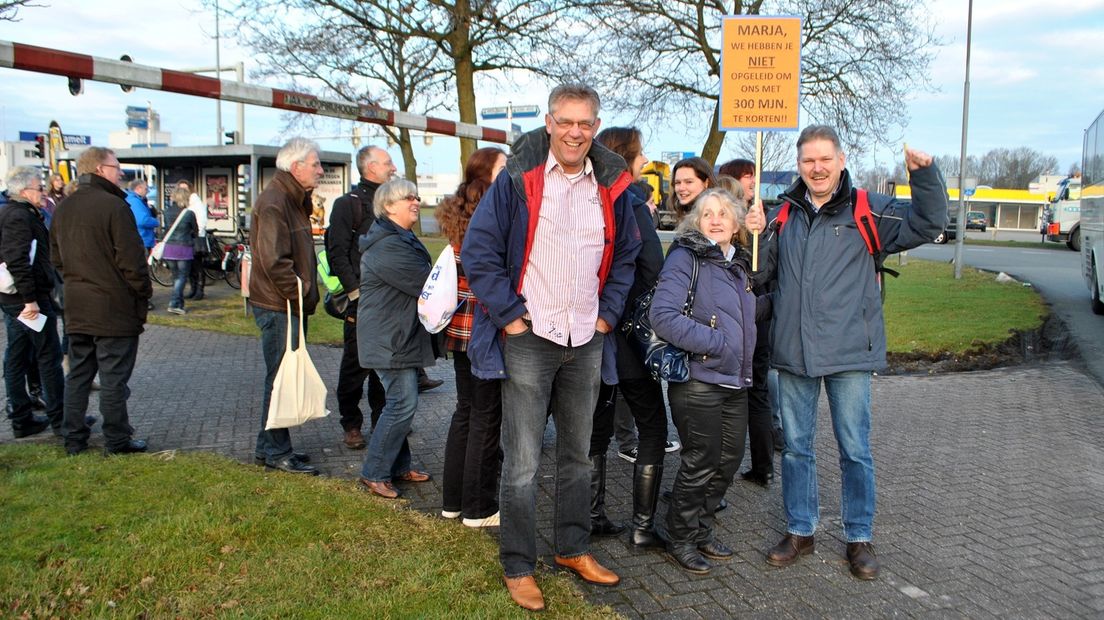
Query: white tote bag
{"points": [[438, 301], [298, 393]]}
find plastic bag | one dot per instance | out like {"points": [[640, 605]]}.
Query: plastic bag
{"points": [[438, 301]]}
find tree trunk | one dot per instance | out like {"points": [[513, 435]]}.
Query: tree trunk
{"points": [[712, 147], [465, 95], [410, 163]]}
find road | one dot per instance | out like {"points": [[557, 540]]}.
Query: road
{"points": [[1056, 274]]}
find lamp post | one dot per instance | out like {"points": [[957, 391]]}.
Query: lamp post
{"points": [[960, 237]]}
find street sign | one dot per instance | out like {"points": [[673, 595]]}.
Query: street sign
{"points": [[760, 73], [518, 111], [969, 191]]}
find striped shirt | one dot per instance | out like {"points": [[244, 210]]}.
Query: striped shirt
{"points": [[561, 279]]}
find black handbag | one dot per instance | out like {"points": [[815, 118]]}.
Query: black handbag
{"points": [[664, 360]]}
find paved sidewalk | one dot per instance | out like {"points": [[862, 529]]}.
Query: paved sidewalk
{"points": [[990, 486]]}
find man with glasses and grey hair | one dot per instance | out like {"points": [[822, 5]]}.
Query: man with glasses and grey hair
{"points": [[283, 252], [96, 248], [24, 251], [549, 253]]}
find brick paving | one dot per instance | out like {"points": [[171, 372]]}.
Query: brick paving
{"points": [[990, 489]]}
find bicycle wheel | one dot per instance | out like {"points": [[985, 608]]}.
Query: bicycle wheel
{"points": [[160, 272], [233, 273]]}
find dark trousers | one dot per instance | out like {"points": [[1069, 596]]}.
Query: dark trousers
{"points": [[473, 454], [113, 358], [275, 444], [644, 398], [350, 380], [38, 353], [711, 422], [760, 420]]}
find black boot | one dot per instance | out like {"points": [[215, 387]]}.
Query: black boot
{"points": [[645, 493], [200, 283], [600, 525]]}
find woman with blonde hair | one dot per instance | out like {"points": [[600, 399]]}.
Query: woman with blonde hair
{"points": [[718, 335]]}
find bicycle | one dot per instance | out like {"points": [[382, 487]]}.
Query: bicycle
{"points": [[159, 271]]}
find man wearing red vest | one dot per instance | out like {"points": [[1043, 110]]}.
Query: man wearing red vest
{"points": [[829, 329]]}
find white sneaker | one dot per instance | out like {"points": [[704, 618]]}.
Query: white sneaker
{"points": [[450, 514], [177, 310], [672, 446], [491, 521], [629, 455]]}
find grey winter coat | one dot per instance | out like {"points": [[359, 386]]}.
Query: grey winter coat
{"points": [[827, 304], [393, 266]]}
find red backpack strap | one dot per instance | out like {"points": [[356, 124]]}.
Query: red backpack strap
{"points": [[864, 220], [780, 219]]}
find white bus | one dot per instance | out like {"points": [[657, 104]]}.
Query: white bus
{"points": [[1092, 212]]}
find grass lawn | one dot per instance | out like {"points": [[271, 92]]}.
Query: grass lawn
{"points": [[196, 535]]}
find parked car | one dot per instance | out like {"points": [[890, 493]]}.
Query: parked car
{"points": [[951, 232], [976, 220]]}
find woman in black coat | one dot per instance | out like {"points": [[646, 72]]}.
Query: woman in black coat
{"points": [[642, 393]]}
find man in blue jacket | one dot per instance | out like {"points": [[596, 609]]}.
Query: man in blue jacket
{"points": [[549, 254], [829, 328]]}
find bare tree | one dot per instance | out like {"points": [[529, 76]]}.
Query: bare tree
{"points": [[470, 36], [860, 58], [1002, 167], [322, 54], [9, 9], [778, 149]]}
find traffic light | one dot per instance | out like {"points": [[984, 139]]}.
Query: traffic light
{"points": [[232, 137], [40, 146]]}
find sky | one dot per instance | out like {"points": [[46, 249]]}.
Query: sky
{"points": [[1036, 77]]}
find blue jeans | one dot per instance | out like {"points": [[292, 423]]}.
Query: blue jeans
{"points": [[26, 347], [274, 445], [388, 451], [849, 402], [180, 271], [543, 373]]}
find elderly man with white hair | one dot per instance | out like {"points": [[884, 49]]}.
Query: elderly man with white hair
{"points": [[24, 251], [283, 251]]}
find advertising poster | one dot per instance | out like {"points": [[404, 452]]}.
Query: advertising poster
{"points": [[216, 193]]}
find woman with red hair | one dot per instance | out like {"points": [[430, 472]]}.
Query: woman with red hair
{"points": [[473, 458]]}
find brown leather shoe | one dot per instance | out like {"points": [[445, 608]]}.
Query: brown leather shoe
{"points": [[383, 489], [589, 570], [789, 549], [525, 592], [863, 561], [354, 439], [413, 476]]}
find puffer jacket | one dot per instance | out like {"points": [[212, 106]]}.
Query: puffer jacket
{"points": [[283, 247], [827, 303], [719, 334], [649, 262], [393, 266], [20, 225], [500, 236]]}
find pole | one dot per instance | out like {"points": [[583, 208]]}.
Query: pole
{"points": [[218, 63], [756, 201], [240, 70], [960, 240]]}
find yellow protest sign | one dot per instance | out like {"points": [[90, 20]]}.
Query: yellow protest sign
{"points": [[760, 72]]}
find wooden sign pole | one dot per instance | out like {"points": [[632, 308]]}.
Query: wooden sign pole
{"points": [[756, 201]]}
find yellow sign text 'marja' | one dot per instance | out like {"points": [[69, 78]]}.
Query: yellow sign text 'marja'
{"points": [[760, 72]]}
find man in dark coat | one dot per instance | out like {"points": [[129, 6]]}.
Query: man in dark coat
{"points": [[96, 248], [283, 252], [24, 244], [350, 219]]}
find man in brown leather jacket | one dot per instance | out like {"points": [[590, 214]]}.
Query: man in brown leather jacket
{"points": [[283, 251]]}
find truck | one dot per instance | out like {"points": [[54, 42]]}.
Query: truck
{"points": [[1062, 215], [658, 176], [1092, 213]]}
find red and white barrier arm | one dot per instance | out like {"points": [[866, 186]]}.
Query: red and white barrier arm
{"points": [[57, 62]]}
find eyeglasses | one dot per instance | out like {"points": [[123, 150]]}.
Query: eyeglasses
{"points": [[412, 197], [115, 166], [568, 124]]}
